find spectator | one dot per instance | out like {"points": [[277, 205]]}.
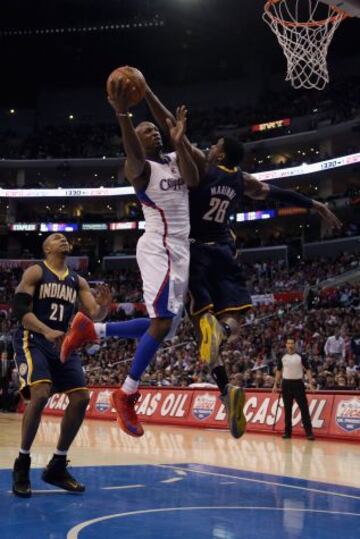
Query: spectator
{"points": [[355, 344], [251, 359], [335, 346]]}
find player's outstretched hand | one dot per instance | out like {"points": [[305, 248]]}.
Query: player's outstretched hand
{"points": [[54, 336], [120, 96], [103, 295], [327, 215], [177, 129]]}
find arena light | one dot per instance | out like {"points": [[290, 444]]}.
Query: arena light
{"points": [[131, 225], [153, 22], [75, 227], [24, 227], [255, 216], [94, 226], [67, 193], [306, 168], [290, 172], [266, 126], [59, 227]]}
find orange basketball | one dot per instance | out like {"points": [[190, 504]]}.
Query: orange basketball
{"points": [[136, 78]]}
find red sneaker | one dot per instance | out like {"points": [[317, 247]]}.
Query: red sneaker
{"points": [[82, 331], [126, 416]]}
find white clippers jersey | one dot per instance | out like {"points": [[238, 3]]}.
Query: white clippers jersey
{"points": [[165, 201]]}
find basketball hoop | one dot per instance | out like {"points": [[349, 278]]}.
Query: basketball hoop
{"points": [[304, 29]]}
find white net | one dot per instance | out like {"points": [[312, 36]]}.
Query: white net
{"points": [[304, 29]]}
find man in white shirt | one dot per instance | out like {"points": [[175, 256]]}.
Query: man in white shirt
{"points": [[335, 346], [291, 369]]}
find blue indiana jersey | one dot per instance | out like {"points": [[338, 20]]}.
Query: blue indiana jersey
{"points": [[55, 297], [212, 203]]}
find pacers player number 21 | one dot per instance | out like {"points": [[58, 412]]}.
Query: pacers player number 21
{"points": [[57, 312]]}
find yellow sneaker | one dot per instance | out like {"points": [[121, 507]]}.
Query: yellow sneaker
{"points": [[234, 401], [211, 337]]}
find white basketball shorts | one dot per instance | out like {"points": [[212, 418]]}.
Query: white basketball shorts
{"points": [[165, 273]]}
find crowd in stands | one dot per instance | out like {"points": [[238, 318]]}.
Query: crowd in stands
{"points": [[104, 141], [64, 141], [277, 236], [337, 103], [277, 276], [250, 359], [262, 277]]}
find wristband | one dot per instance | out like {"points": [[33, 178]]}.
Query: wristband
{"points": [[124, 114]]}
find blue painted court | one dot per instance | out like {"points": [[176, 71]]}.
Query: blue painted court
{"points": [[185, 501]]}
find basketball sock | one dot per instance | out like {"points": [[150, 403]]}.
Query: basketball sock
{"points": [[58, 453], [131, 329], [24, 454], [145, 351], [219, 375], [130, 386], [100, 330]]}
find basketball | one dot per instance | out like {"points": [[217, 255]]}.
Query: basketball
{"points": [[134, 76]]}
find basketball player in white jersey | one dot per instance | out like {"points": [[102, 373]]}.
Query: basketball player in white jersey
{"points": [[161, 183]]}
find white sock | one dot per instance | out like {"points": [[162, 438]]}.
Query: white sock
{"points": [[100, 330], [130, 386], [24, 451], [60, 453]]}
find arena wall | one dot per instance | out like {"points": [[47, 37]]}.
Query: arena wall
{"points": [[334, 414]]}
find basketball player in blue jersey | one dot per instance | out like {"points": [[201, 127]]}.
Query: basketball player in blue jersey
{"points": [[216, 284], [44, 303], [219, 297]]}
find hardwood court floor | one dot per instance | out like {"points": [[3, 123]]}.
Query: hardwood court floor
{"points": [[177, 482]]}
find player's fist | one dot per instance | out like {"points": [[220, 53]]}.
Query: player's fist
{"points": [[120, 97], [54, 336], [103, 295]]}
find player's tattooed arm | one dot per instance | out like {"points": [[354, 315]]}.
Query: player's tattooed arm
{"points": [[161, 115], [257, 190], [22, 305], [95, 303], [136, 164]]}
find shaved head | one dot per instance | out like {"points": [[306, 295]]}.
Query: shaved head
{"points": [[46, 243], [143, 125], [55, 244], [150, 137]]}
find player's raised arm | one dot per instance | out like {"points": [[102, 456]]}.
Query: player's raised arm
{"points": [[23, 304], [95, 304], [258, 190], [135, 157], [188, 168], [162, 115]]}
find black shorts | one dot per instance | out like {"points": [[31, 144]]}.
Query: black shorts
{"points": [[37, 360], [216, 280]]}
